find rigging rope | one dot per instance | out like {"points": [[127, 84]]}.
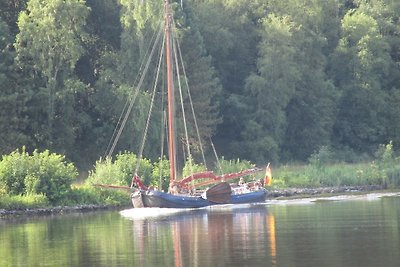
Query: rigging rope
{"points": [[114, 139], [183, 108], [139, 157], [133, 99], [163, 128], [216, 157], [191, 104]]}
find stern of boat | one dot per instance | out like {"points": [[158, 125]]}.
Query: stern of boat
{"points": [[137, 199]]}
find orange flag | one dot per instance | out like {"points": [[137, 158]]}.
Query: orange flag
{"points": [[268, 176]]}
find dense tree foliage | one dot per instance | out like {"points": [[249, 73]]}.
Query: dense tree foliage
{"points": [[271, 80], [49, 42], [13, 97]]}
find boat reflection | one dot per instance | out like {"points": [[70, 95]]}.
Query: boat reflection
{"points": [[272, 238], [177, 245], [191, 237]]}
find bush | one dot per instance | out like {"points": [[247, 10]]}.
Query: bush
{"points": [[40, 173], [388, 165], [192, 167], [120, 172], [114, 197], [106, 172], [13, 170], [83, 195], [321, 158], [160, 174], [231, 166]]}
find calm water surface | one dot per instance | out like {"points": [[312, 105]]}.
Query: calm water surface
{"points": [[333, 232]]}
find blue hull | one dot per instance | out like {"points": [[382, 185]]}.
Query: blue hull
{"points": [[164, 200]]}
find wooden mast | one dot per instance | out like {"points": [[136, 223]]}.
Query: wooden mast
{"points": [[170, 86]]}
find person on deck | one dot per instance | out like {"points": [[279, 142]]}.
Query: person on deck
{"points": [[173, 188]]}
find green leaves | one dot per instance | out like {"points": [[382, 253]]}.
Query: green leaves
{"points": [[365, 60], [49, 42], [38, 173], [48, 34], [271, 80], [13, 97]]}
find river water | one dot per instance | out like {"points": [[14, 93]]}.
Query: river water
{"points": [[340, 231]]}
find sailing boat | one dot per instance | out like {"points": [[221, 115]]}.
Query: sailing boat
{"points": [[181, 193]]}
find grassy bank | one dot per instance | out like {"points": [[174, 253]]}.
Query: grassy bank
{"points": [[45, 180], [323, 170], [80, 195]]}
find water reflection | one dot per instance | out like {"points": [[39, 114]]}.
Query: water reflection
{"points": [[177, 245], [328, 233], [211, 236], [272, 238]]}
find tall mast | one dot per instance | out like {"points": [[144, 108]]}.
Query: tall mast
{"points": [[170, 86]]}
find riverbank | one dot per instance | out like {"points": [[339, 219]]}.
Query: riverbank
{"points": [[55, 210], [321, 191], [287, 193]]}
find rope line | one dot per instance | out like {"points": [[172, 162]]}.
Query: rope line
{"points": [[191, 104], [139, 157], [117, 130], [135, 94], [189, 156]]}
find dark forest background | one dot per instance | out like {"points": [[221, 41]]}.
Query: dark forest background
{"points": [[272, 80]]}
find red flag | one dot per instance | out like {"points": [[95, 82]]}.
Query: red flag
{"points": [[268, 176]]}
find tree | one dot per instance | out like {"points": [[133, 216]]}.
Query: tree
{"points": [[13, 97], [50, 42], [272, 88], [103, 30], [364, 65], [9, 10], [140, 17], [386, 13], [204, 84], [229, 33], [311, 112]]}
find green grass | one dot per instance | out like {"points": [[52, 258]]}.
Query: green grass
{"points": [[322, 170], [333, 175], [19, 202], [79, 195]]}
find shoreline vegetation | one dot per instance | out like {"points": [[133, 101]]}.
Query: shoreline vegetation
{"points": [[271, 84], [273, 194], [46, 183], [55, 210]]}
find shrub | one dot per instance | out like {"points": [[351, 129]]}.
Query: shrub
{"points": [[127, 162], [321, 158], [106, 172], [230, 166], [115, 197], [192, 167], [160, 175], [388, 165], [13, 170], [40, 173], [81, 195], [120, 171]]}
